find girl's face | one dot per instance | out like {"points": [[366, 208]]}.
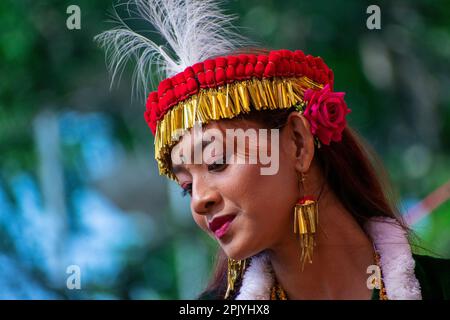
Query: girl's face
{"points": [[246, 212]]}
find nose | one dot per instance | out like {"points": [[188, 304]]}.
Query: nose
{"points": [[204, 198]]}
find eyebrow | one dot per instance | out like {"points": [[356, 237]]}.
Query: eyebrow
{"points": [[179, 168]]}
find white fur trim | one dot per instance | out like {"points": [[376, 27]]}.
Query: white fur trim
{"points": [[397, 265], [258, 280]]}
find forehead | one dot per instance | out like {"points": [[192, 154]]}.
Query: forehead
{"points": [[214, 135], [201, 132], [181, 152], [215, 129]]}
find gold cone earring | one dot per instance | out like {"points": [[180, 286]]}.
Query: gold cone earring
{"points": [[306, 219], [236, 269]]}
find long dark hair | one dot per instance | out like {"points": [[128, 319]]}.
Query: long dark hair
{"points": [[354, 173]]}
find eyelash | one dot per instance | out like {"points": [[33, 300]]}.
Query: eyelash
{"points": [[215, 167], [186, 190]]}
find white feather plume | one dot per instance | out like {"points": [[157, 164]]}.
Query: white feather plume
{"points": [[194, 30]]}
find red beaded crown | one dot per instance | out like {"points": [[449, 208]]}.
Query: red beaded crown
{"points": [[198, 88], [225, 87]]}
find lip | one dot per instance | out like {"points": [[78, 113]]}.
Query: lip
{"points": [[220, 225]]}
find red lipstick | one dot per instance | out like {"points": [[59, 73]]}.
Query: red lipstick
{"points": [[220, 225]]}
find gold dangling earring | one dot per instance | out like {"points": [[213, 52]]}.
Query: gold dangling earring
{"points": [[306, 219], [236, 270]]}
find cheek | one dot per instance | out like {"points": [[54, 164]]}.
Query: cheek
{"points": [[278, 189], [268, 199], [277, 197]]}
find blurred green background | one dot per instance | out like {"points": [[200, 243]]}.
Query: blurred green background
{"points": [[78, 182]]}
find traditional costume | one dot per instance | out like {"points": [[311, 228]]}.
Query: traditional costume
{"points": [[203, 79]]}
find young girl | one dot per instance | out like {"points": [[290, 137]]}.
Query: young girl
{"points": [[319, 226]]}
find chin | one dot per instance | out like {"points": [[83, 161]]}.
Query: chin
{"points": [[235, 253], [237, 256], [238, 252]]}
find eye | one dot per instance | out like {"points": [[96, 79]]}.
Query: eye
{"points": [[217, 166], [187, 189]]}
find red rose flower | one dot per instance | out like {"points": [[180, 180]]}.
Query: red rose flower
{"points": [[326, 111]]}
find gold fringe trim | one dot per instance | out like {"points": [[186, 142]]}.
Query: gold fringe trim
{"points": [[306, 220], [236, 270], [225, 102]]}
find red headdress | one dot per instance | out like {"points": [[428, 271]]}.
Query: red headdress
{"points": [[206, 83]]}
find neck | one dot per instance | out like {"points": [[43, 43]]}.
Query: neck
{"points": [[340, 260]]}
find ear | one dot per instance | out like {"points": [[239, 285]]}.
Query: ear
{"points": [[300, 140]]}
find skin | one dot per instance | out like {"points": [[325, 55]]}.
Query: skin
{"points": [[264, 218]]}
